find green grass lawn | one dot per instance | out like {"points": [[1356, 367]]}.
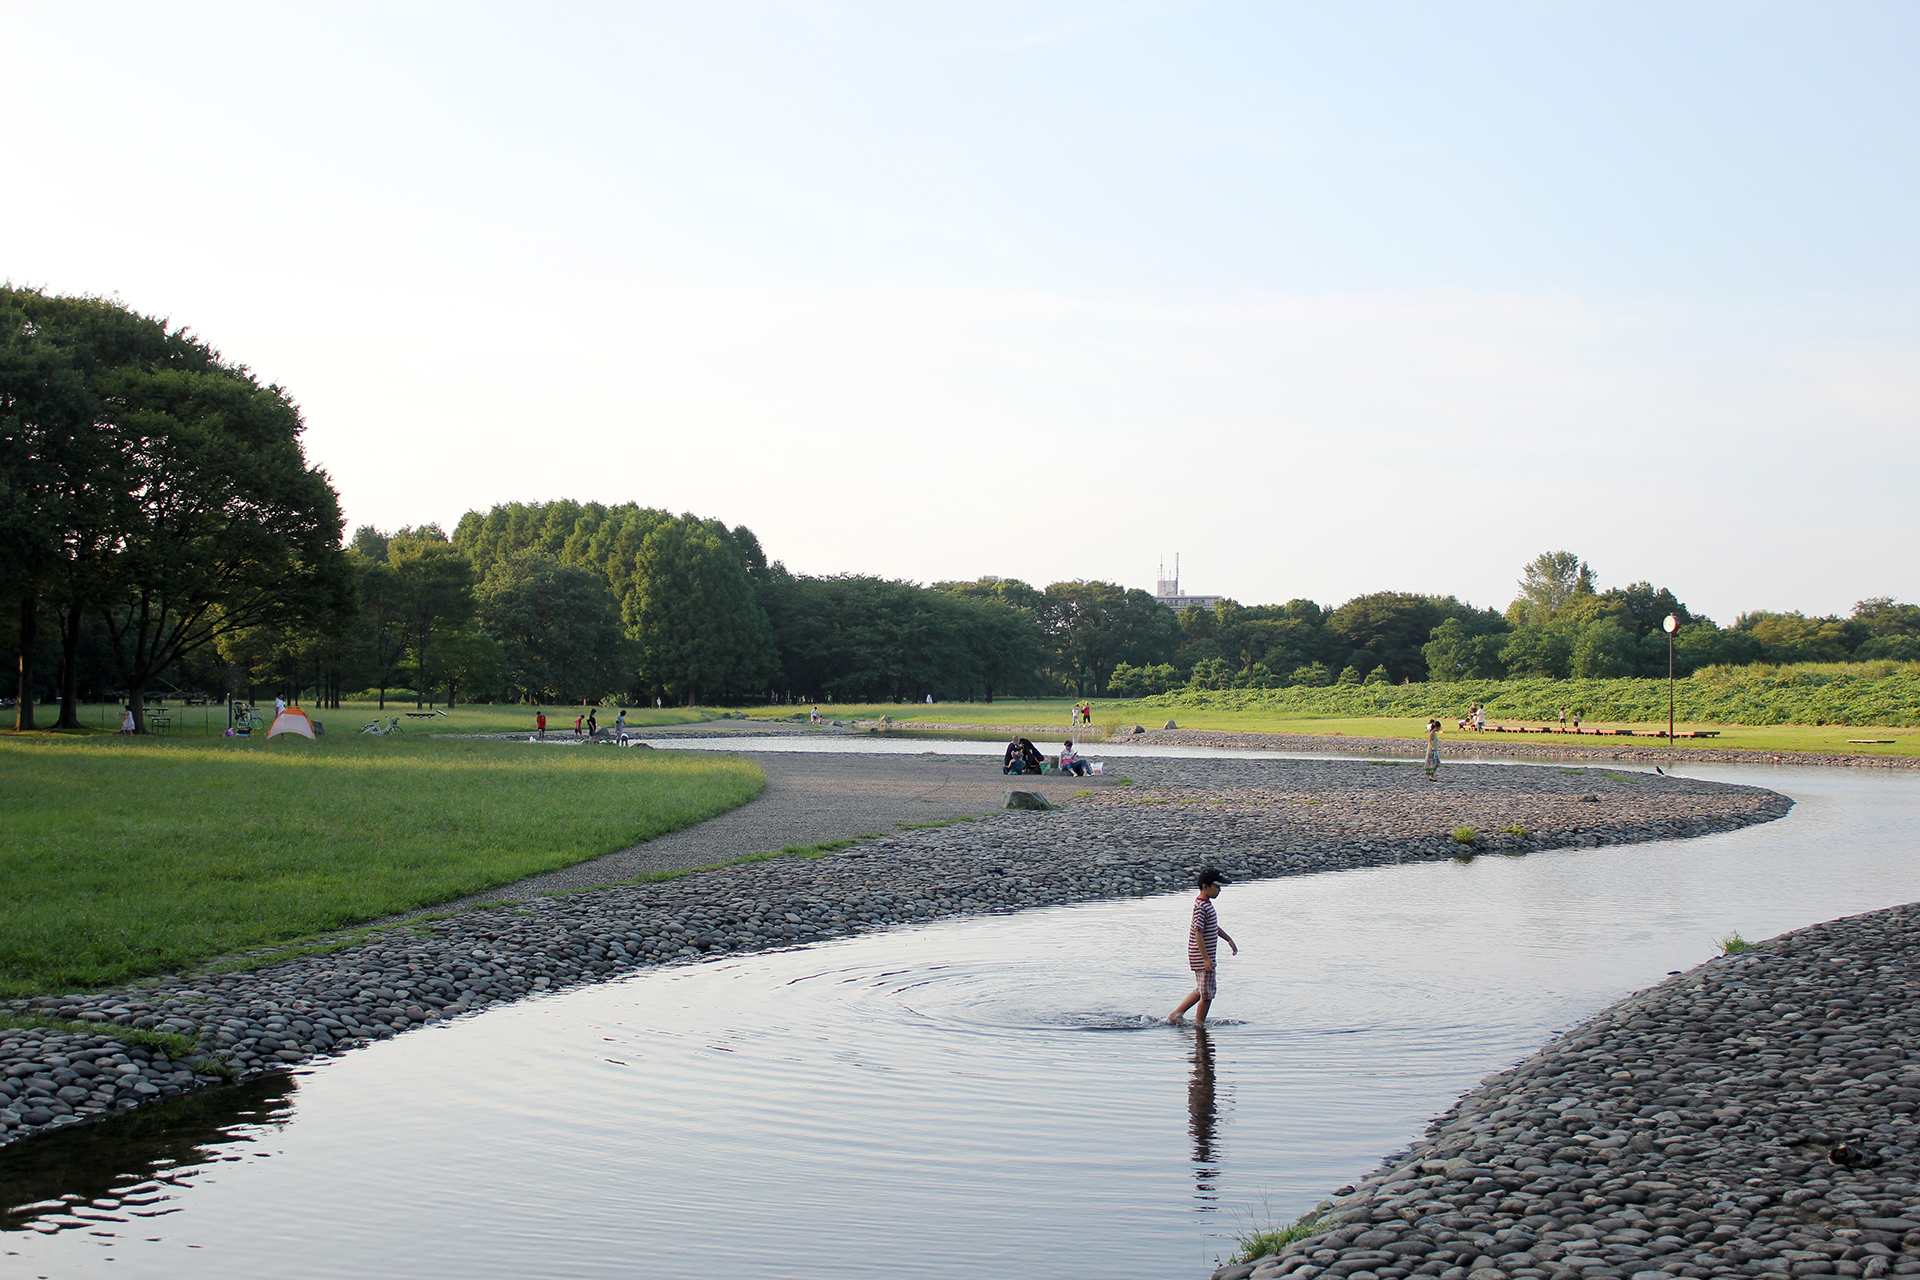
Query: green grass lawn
{"points": [[1107, 714], [130, 856], [198, 722]]}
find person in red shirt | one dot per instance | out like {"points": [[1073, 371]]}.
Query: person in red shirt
{"points": [[540, 722], [1203, 942]]}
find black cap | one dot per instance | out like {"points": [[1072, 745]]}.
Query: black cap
{"points": [[1209, 875]]}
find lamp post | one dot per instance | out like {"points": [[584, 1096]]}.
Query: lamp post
{"points": [[1670, 625]]}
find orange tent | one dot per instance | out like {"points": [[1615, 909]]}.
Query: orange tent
{"points": [[292, 720]]}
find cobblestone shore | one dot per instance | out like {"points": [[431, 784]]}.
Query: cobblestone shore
{"points": [[1754, 1116], [270, 1010]]}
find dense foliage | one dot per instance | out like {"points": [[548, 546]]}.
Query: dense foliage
{"points": [[153, 495]]}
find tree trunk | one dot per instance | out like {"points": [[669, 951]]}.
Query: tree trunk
{"points": [[137, 703], [70, 668], [29, 630], [383, 697]]}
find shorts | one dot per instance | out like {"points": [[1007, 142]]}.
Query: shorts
{"points": [[1207, 983]]}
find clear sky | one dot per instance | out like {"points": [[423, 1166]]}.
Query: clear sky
{"points": [[1328, 298]]}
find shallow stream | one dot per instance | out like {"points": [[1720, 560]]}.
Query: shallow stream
{"points": [[989, 1097]]}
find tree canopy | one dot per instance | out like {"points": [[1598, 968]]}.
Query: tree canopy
{"points": [[159, 487]]}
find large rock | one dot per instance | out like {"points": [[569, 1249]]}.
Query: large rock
{"points": [[1026, 800], [1169, 725]]}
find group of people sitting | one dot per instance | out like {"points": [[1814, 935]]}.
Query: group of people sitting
{"points": [[1021, 756]]}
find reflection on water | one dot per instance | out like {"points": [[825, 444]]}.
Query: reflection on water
{"points": [[929, 1101], [136, 1166], [1200, 1113]]}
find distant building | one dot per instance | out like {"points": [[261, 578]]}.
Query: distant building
{"points": [[1167, 591]]}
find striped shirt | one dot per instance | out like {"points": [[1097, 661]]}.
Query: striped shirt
{"points": [[1204, 938]]}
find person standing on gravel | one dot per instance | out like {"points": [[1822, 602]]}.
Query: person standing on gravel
{"points": [[540, 723], [1203, 944], [1433, 747]]}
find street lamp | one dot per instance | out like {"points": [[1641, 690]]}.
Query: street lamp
{"points": [[1670, 625]]}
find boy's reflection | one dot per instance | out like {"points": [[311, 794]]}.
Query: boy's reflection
{"points": [[1200, 1114]]}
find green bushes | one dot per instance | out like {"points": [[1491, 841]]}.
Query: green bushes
{"points": [[1863, 693]]}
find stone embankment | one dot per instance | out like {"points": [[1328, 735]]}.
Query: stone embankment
{"points": [[1704, 1127], [274, 1009]]}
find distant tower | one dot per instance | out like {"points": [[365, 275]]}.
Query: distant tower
{"points": [[1164, 586], [1167, 590]]}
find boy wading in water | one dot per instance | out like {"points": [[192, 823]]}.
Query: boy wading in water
{"points": [[1203, 941]]}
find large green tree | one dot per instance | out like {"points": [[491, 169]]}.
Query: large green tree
{"points": [[558, 626], [693, 610], [1547, 582], [433, 581], [1092, 627], [158, 487], [63, 451], [1388, 631]]}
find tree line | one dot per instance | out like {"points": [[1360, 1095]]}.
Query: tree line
{"points": [[161, 527], [1559, 626]]}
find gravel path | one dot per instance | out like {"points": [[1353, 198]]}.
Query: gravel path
{"points": [[1699, 1128], [275, 1008], [809, 800]]}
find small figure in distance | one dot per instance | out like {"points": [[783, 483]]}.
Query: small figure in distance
{"points": [[1433, 748], [620, 728], [1563, 719], [279, 705], [593, 722], [579, 725], [1202, 946], [540, 723], [126, 725], [814, 718]]}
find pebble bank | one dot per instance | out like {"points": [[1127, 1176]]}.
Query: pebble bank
{"points": [[271, 1010], [1754, 1116]]}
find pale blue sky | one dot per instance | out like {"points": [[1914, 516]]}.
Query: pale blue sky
{"points": [[1329, 298]]}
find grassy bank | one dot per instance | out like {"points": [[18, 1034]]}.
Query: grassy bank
{"points": [[182, 721], [1233, 713], [1856, 694], [126, 857]]}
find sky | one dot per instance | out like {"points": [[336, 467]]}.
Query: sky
{"points": [[1327, 299]]}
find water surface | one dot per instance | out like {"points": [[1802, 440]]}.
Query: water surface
{"points": [[985, 1097]]}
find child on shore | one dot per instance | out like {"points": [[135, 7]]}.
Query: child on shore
{"points": [[1433, 747], [1202, 945]]}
